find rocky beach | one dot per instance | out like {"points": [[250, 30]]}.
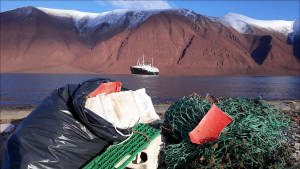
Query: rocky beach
{"points": [[10, 117]]}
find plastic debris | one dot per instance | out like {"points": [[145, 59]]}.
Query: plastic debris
{"points": [[114, 156], [254, 139], [149, 157], [60, 132], [7, 128], [123, 109], [106, 88], [210, 126]]}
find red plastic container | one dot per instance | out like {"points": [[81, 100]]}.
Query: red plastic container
{"points": [[210, 126], [107, 88]]}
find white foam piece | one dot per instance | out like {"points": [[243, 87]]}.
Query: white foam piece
{"points": [[6, 128]]}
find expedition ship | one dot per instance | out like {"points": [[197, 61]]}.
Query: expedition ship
{"points": [[144, 68]]}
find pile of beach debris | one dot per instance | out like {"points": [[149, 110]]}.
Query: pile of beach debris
{"points": [[254, 139]]}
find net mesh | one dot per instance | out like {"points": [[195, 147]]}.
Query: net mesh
{"points": [[254, 139]]}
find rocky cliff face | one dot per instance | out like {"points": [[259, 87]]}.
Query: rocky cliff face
{"points": [[35, 40]]}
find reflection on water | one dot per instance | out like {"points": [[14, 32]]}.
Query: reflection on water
{"points": [[28, 89]]}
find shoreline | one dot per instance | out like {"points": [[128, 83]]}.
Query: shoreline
{"points": [[232, 74], [12, 113]]}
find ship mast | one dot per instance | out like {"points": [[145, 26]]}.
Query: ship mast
{"points": [[152, 60], [143, 59]]}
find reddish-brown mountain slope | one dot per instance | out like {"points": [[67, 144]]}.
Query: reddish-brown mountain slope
{"points": [[41, 43], [37, 41]]}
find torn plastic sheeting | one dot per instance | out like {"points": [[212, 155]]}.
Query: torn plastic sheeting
{"points": [[210, 126], [123, 109], [60, 132]]}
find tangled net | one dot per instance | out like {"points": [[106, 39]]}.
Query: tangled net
{"points": [[254, 139]]}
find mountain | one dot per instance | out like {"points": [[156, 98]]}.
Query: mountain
{"points": [[242, 23], [182, 42]]}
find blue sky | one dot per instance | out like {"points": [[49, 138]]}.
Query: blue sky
{"points": [[268, 10]]}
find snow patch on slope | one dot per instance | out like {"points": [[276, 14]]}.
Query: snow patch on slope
{"points": [[242, 23], [296, 31], [296, 26], [67, 13], [78, 17], [24, 11], [117, 16]]}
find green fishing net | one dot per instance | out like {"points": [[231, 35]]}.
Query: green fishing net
{"points": [[254, 139]]}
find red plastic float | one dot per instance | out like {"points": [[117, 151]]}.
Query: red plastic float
{"points": [[210, 126]]}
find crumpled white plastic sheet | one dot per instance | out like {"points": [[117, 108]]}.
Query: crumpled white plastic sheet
{"points": [[124, 109]]}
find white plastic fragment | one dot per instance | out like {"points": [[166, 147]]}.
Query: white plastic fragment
{"points": [[6, 128], [148, 157], [124, 109]]}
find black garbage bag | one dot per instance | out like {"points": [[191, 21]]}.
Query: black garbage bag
{"points": [[60, 132]]}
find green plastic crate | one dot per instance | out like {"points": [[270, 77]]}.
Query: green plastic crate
{"points": [[142, 136]]}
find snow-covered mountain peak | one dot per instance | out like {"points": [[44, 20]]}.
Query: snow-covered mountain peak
{"points": [[88, 22], [116, 13], [241, 23], [116, 18], [84, 20]]}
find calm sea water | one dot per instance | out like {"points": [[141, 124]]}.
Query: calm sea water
{"points": [[31, 89]]}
